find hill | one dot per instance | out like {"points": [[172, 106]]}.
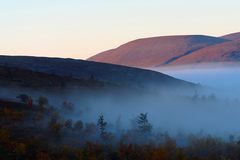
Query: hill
{"points": [[233, 36], [79, 71], [224, 52], [13, 77], [151, 52]]}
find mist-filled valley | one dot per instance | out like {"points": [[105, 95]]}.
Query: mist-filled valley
{"points": [[119, 80], [222, 81], [211, 108], [222, 78], [76, 116]]}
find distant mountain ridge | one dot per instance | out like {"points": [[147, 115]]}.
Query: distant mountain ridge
{"points": [[172, 50]]}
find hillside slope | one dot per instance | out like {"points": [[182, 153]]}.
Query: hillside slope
{"points": [[84, 70], [224, 52], [12, 77], [151, 52], [233, 36]]}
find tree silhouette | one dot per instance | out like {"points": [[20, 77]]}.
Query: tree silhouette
{"points": [[78, 126], [102, 126], [42, 101], [68, 124], [143, 124]]}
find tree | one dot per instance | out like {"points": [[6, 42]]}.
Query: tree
{"points": [[20, 148], [68, 106], [92, 77], [78, 125], [143, 125], [42, 101], [195, 96], [212, 97], [102, 126], [68, 124], [55, 126]]}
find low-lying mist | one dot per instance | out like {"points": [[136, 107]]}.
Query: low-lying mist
{"points": [[219, 117], [222, 78], [195, 112], [213, 109]]}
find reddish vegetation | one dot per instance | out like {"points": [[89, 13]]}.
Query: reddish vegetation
{"points": [[42, 133]]}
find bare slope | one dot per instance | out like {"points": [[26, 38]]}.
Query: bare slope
{"points": [[233, 36], [150, 52], [224, 52]]}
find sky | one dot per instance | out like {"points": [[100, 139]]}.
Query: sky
{"points": [[82, 28]]}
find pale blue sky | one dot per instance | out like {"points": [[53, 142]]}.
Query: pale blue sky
{"points": [[81, 28]]}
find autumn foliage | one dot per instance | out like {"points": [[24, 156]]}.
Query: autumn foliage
{"points": [[42, 133]]}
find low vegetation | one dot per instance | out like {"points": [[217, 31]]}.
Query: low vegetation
{"points": [[40, 131]]}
